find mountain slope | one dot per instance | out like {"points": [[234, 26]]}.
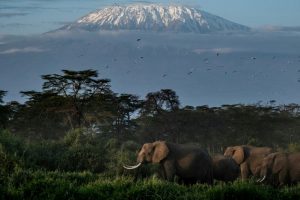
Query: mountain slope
{"points": [[154, 17]]}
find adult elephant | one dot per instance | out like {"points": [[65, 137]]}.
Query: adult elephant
{"points": [[225, 168], [280, 169], [248, 157], [191, 164]]}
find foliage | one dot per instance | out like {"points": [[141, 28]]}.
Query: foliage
{"points": [[42, 117], [14, 146]]}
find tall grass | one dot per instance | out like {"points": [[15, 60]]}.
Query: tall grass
{"points": [[27, 184]]}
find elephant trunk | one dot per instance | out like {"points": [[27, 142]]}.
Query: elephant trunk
{"points": [[132, 167]]}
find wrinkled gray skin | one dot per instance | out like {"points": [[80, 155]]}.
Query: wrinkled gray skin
{"points": [[191, 164], [248, 157], [225, 168], [281, 169]]}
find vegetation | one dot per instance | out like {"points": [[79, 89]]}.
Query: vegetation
{"points": [[84, 185], [70, 140]]}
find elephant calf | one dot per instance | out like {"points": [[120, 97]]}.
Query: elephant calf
{"points": [[280, 169], [225, 168]]}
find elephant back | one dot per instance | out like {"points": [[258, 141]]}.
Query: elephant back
{"points": [[259, 151]]}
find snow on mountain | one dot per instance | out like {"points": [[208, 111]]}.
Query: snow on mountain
{"points": [[154, 17]]}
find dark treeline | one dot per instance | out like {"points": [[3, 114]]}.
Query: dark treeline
{"points": [[78, 123]]}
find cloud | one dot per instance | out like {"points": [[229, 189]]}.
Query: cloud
{"points": [[14, 25], [215, 50], [12, 14], [281, 28], [61, 22], [23, 50]]}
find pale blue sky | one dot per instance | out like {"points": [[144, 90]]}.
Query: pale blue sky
{"points": [[38, 16]]}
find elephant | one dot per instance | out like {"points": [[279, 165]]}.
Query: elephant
{"points": [[225, 168], [280, 169], [189, 163], [248, 157]]}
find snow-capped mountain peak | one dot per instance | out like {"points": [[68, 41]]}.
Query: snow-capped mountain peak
{"points": [[154, 17]]}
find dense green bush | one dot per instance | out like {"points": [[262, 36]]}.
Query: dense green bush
{"points": [[44, 155], [79, 151]]}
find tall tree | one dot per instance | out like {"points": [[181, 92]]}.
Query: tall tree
{"points": [[78, 87], [157, 102], [159, 115], [127, 104], [42, 116]]}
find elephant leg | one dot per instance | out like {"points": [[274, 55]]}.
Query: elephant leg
{"points": [[282, 179], [163, 172], [169, 170], [244, 171]]}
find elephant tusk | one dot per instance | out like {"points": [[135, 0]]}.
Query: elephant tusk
{"points": [[261, 180], [258, 180], [132, 167]]}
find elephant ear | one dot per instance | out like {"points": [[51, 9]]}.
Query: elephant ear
{"points": [[161, 151], [238, 154]]}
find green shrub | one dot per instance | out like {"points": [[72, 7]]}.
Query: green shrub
{"points": [[7, 166], [80, 136], [44, 155], [13, 145], [240, 190], [83, 157]]}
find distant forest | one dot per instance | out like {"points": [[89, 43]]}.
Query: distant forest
{"points": [[78, 123]]}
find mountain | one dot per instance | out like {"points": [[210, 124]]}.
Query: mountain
{"points": [[212, 69], [154, 17]]}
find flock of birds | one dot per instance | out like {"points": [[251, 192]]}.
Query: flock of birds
{"points": [[208, 66]]}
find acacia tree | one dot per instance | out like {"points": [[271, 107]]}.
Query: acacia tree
{"points": [[159, 115], [41, 116], [157, 102], [72, 100], [78, 88]]}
